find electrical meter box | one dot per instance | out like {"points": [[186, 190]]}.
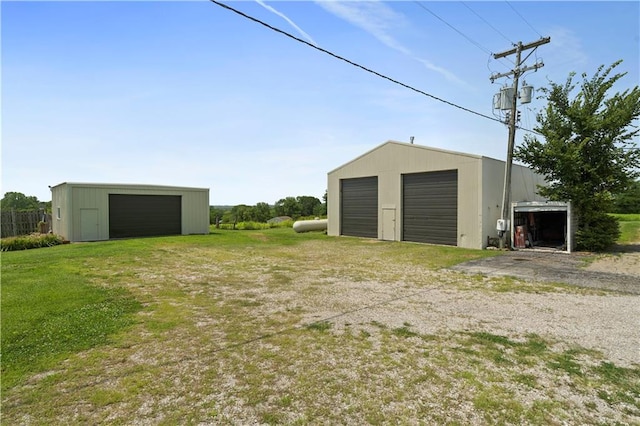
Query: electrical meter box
{"points": [[502, 225]]}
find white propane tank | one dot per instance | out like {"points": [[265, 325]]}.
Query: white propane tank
{"points": [[525, 93], [310, 225]]}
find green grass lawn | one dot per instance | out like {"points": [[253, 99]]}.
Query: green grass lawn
{"points": [[212, 329], [629, 228], [51, 308]]}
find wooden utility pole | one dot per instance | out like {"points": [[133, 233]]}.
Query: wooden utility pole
{"points": [[516, 73]]}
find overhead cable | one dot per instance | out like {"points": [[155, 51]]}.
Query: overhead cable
{"points": [[470, 40], [522, 17], [488, 23], [251, 18]]}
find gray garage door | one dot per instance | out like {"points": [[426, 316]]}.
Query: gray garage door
{"points": [[430, 207], [144, 215], [359, 207]]}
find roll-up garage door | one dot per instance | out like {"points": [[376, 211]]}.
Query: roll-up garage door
{"points": [[430, 207], [359, 207], [144, 215]]}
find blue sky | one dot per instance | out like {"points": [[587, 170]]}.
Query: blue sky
{"points": [[191, 94]]}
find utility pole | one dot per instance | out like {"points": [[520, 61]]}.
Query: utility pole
{"points": [[516, 72]]}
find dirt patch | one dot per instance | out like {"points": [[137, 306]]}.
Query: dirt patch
{"points": [[625, 260]]}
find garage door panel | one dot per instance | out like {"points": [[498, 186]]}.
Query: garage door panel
{"points": [[430, 207], [144, 215], [359, 207]]}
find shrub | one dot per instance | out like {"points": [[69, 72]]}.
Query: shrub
{"points": [[283, 224], [598, 233], [250, 225], [26, 242]]}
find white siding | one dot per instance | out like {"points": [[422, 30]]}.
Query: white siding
{"points": [[195, 212], [392, 159], [61, 211], [72, 197], [480, 186], [524, 187]]}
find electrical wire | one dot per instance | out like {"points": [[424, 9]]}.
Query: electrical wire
{"points": [[478, 45], [489, 24], [470, 40], [251, 18], [522, 17]]}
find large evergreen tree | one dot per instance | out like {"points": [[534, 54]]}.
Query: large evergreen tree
{"points": [[588, 152]]}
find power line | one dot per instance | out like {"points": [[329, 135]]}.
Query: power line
{"points": [[351, 62], [530, 26], [470, 40], [251, 18], [488, 23], [522, 17]]}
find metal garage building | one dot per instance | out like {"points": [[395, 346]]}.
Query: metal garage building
{"points": [[406, 192], [97, 211]]}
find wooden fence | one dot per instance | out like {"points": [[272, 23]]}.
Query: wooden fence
{"points": [[14, 223]]}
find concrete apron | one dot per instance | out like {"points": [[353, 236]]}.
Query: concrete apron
{"points": [[554, 266]]}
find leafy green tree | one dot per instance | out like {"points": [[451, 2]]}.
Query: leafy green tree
{"points": [[288, 206], [19, 202], [629, 200], [308, 205], [215, 213], [261, 212], [228, 217], [321, 209], [587, 154], [241, 213]]}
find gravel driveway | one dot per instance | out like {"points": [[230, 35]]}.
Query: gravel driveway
{"points": [[608, 322]]}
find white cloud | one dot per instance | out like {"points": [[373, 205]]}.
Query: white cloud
{"points": [[380, 20], [374, 17], [565, 48], [283, 16]]}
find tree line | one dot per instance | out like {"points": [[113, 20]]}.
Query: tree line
{"points": [[293, 207], [19, 202]]}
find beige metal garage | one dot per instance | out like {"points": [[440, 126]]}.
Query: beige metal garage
{"points": [[405, 192], [101, 211]]}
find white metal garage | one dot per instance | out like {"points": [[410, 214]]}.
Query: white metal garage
{"points": [[543, 225], [97, 211], [424, 195]]}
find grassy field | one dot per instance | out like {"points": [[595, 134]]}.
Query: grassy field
{"points": [[217, 329], [629, 228]]}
